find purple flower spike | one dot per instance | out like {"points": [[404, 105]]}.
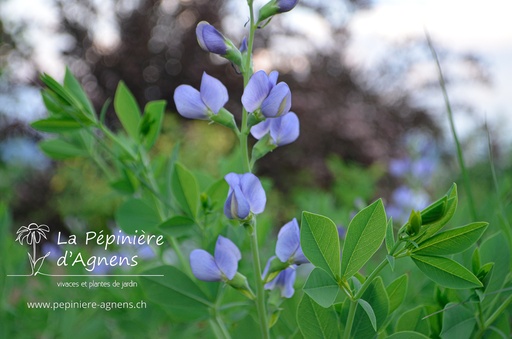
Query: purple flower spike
{"points": [[194, 104], [283, 130], [246, 195], [222, 267], [262, 93], [210, 39], [288, 247], [284, 281]]}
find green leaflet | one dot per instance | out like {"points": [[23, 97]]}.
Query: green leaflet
{"points": [[60, 149], [56, 125], [185, 189], [320, 242], [396, 292], [458, 322], [136, 215], [74, 87], [412, 321], [452, 241], [390, 236], [369, 312], [127, 110], [176, 293], [315, 321], [177, 226], [151, 122], [377, 303], [365, 234], [446, 272], [321, 287]]}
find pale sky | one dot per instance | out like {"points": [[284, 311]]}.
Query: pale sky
{"points": [[482, 28]]}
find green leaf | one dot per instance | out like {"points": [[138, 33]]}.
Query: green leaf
{"points": [[136, 215], [153, 117], [320, 242], [377, 297], [369, 312], [390, 237], [176, 293], [321, 287], [364, 237], [74, 87], [397, 291], [127, 110], [56, 125], [177, 226], [217, 192], [412, 321], [185, 189], [458, 322], [452, 241], [315, 321], [407, 335], [446, 272], [60, 149]]}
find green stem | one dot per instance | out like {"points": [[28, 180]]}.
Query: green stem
{"points": [[498, 312], [353, 303], [460, 156], [260, 292], [247, 72], [370, 278], [350, 319], [481, 316]]}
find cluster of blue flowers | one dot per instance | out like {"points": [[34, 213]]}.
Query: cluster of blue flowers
{"points": [[267, 102]]}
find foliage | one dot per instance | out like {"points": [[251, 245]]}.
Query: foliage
{"points": [[356, 286]]}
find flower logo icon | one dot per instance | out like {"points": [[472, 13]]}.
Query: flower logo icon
{"points": [[31, 235]]}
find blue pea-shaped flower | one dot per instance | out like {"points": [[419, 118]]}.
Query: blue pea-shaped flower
{"points": [[220, 267], [202, 104], [288, 247], [211, 40], [245, 196], [263, 94], [283, 130]]}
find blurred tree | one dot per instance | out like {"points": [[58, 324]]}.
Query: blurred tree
{"points": [[155, 49]]}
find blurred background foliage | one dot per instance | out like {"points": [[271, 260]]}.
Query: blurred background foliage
{"points": [[363, 134]]}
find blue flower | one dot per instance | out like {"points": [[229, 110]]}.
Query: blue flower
{"points": [[283, 130], [246, 195], [286, 5], [288, 247], [194, 104], [211, 40], [284, 281], [221, 267], [263, 94]]}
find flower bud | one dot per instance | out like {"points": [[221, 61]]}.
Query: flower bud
{"points": [[211, 40], [414, 224], [275, 7]]}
